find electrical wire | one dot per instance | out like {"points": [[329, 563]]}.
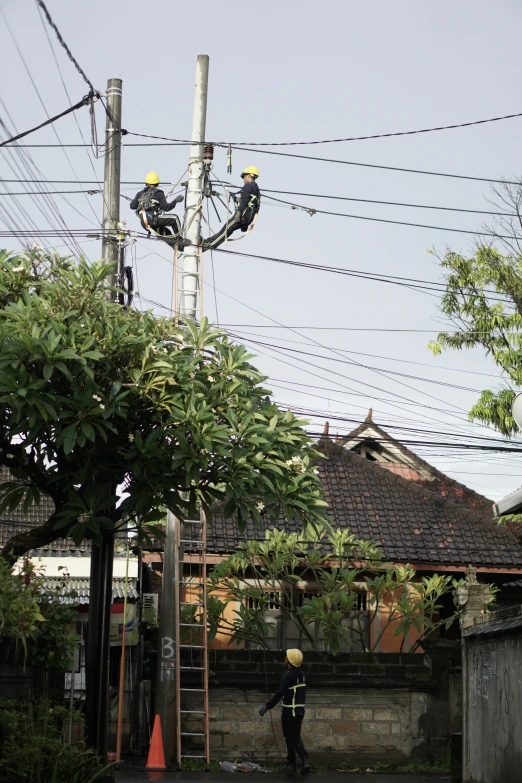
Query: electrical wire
{"points": [[49, 121], [69, 98], [386, 203], [335, 141], [64, 45], [380, 166], [314, 210]]}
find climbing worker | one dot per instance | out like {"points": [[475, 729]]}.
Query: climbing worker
{"points": [[150, 205], [292, 689], [247, 206]]}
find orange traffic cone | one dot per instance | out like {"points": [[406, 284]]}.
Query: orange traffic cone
{"points": [[156, 757]]}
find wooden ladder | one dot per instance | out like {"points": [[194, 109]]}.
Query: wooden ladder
{"points": [[192, 644]]}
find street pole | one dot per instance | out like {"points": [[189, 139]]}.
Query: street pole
{"points": [[190, 274], [173, 551], [166, 673], [111, 182], [102, 554]]}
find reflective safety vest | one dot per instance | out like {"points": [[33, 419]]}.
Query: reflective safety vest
{"points": [[292, 706]]}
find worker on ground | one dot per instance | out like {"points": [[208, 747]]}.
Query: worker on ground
{"points": [[247, 206], [150, 206], [292, 690]]}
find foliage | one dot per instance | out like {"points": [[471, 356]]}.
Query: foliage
{"points": [[94, 396], [35, 619], [483, 301], [33, 750], [20, 613], [264, 573]]}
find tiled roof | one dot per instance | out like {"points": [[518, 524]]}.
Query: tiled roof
{"points": [[411, 523], [437, 482], [80, 586]]}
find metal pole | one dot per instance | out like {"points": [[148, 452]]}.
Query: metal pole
{"points": [[166, 677], [97, 661], [111, 186], [190, 275], [122, 663], [102, 554]]}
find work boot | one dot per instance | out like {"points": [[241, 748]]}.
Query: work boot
{"points": [[305, 765], [289, 768]]}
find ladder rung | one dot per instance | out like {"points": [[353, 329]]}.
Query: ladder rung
{"points": [[192, 668], [186, 756], [193, 646], [191, 541], [192, 584], [192, 625], [188, 603], [192, 562], [194, 712], [192, 733], [193, 690]]}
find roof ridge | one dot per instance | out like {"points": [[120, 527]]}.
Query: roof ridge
{"points": [[453, 482], [417, 489]]}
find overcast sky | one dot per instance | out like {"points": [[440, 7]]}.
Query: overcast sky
{"points": [[296, 72]]}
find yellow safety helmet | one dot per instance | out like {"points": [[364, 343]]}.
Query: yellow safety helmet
{"points": [[294, 657], [252, 170], [152, 178]]}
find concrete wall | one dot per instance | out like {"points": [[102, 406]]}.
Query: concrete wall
{"points": [[360, 707], [493, 708]]}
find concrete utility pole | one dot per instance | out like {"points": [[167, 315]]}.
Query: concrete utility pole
{"points": [[190, 275], [166, 677], [111, 182], [102, 555]]}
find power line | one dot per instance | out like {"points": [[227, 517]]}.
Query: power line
{"points": [[386, 203], [379, 166], [321, 195], [394, 222], [339, 141], [407, 282], [84, 101], [64, 45], [387, 358]]}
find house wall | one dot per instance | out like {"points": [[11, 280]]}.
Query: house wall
{"points": [[360, 707], [492, 713]]}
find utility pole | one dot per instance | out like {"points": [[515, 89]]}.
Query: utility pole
{"points": [[190, 275], [111, 181], [102, 554], [173, 552]]}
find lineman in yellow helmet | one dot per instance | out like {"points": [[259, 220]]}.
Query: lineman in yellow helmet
{"points": [[150, 206], [247, 201], [292, 690]]}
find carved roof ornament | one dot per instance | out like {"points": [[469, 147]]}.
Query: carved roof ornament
{"points": [[471, 575]]}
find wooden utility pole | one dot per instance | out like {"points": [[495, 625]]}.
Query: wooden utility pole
{"points": [[102, 554]]}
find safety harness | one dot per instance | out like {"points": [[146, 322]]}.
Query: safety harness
{"points": [[148, 206]]}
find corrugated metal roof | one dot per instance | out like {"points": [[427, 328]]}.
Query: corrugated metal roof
{"points": [[81, 588]]}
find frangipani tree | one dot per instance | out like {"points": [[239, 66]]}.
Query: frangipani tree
{"points": [[94, 396]]}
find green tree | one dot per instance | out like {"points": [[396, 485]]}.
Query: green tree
{"points": [[95, 396], [266, 574], [483, 302]]}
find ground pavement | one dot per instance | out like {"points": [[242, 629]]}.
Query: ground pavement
{"points": [[133, 775]]}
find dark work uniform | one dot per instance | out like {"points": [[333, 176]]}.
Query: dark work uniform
{"points": [[249, 199], [154, 215], [292, 690]]}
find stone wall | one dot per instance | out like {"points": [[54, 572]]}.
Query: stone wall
{"points": [[360, 707]]}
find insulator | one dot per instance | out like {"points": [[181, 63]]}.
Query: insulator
{"points": [[209, 152]]}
